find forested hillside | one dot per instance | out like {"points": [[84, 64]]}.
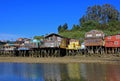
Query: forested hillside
{"points": [[105, 18], [101, 17]]}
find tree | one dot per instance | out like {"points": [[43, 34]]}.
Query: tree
{"points": [[62, 28], [75, 27], [109, 13], [65, 26], [119, 17], [93, 13], [100, 17], [39, 37], [59, 28], [101, 14]]}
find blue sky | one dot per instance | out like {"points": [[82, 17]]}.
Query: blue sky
{"points": [[27, 18]]}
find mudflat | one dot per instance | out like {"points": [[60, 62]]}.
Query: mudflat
{"points": [[66, 59]]}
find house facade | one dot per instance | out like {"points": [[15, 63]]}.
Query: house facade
{"points": [[54, 40], [112, 41]]}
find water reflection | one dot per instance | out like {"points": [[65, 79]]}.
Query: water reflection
{"points": [[59, 72], [21, 72], [94, 72], [51, 72], [113, 73], [73, 71]]}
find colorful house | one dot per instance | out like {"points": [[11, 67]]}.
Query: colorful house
{"points": [[112, 41]]}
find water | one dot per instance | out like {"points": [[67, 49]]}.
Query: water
{"points": [[59, 72]]}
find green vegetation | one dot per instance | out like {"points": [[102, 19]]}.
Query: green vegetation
{"points": [[105, 18], [98, 17], [39, 37], [62, 28]]}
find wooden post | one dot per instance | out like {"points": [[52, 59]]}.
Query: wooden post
{"points": [[58, 52], [55, 52], [38, 53], [69, 52], [23, 53], [105, 50], [52, 52], [88, 48], [97, 48], [108, 50], [112, 50], [48, 53], [41, 52], [118, 50], [32, 53]]}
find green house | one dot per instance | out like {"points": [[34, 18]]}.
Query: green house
{"points": [[36, 43]]}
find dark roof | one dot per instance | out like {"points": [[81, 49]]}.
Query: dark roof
{"points": [[1, 43], [54, 34]]}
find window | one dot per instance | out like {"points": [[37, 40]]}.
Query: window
{"points": [[53, 38], [58, 38], [116, 42], [89, 35], [109, 37], [117, 36], [49, 38], [98, 35]]}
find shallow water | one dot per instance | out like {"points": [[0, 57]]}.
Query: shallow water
{"points": [[59, 72]]}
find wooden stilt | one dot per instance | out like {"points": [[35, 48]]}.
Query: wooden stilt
{"points": [[59, 52]]}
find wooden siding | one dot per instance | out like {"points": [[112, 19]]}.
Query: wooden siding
{"points": [[52, 40], [94, 38], [74, 44], [94, 34], [94, 42], [112, 41], [64, 43]]}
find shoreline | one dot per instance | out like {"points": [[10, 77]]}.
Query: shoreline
{"points": [[66, 59]]}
